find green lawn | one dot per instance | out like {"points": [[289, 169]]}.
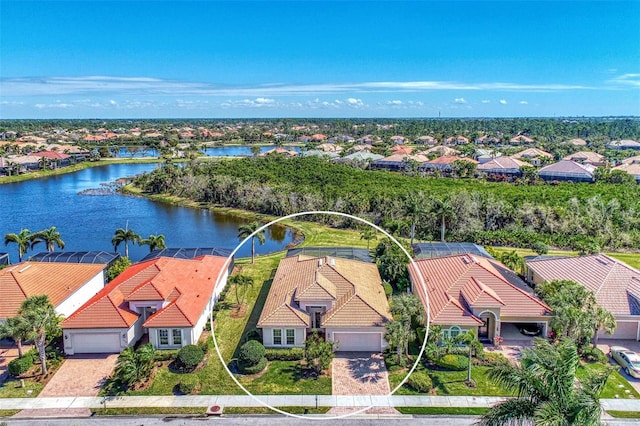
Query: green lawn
{"points": [[452, 383], [138, 411], [265, 410], [625, 414], [12, 389], [616, 386], [452, 411], [8, 413], [284, 377]]}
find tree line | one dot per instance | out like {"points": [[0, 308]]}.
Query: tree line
{"points": [[583, 217]]}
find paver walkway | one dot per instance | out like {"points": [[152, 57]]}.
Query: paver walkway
{"points": [[79, 375], [360, 373]]}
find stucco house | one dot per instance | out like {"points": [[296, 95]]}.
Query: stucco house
{"points": [[170, 299], [68, 285], [567, 170], [615, 284], [468, 292], [340, 298]]}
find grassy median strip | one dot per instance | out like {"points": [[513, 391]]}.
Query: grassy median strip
{"points": [[265, 410], [453, 411], [624, 414], [137, 411], [8, 413]]}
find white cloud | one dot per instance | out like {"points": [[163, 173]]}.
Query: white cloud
{"points": [[460, 101], [395, 102], [264, 101], [485, 101], [523, 102], [631, 79], [503, 101], [354, 102], [112, 102]]}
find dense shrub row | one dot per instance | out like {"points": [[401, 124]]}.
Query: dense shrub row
{"points": [[289, 354]]}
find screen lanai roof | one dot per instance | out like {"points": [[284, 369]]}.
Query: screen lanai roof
{"points": [[187, 253], [90, 257], [352, 253], [441, 249]]}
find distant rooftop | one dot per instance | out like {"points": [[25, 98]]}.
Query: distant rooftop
{"points": [[441, 249], [90, 257], [352, 253], [188, 253]]}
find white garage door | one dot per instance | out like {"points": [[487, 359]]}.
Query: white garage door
{"points": [[370, 342], [94, 343], [624, 330]]}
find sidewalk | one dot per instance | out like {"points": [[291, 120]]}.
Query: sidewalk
{"points": [[275, 401]]}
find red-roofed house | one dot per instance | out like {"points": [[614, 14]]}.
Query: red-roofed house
{"points": [[168, 298], [468, 292]]}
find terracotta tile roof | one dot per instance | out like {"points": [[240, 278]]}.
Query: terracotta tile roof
{"points": [[402, 149], [632, 160], [531, 153], [586, 157], [631, 168], [456, 282], [183, 285], [57, 280], [501, 164], [521, 138], [612, 281], [53, 155], [401, 158], [442, 150], [354, 288], [577, 142]]}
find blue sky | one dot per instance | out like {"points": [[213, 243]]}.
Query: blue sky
{"points": [[201, 59]]}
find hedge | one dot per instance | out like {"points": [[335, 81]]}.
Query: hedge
{"points": [[453, 362], [165, 355], [420, 381], [289, 354]]}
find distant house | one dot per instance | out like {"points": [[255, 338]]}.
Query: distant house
{"points": [[280, 151], [485, 155], [329, 147], [398, 161], [587, 157], [577, 142], [443, 164], [487, 140], [534, 156], [631, 166], [401, 149], [360, 156], [441, 150], [615, 284], [567, 170], [54, 159], [68, 285], [342, 299], [426, 140], [398, 140], [503, 166], [170, 299], [624, 144], [26, 162], [520, 139], [468, 292], [457, 140]]}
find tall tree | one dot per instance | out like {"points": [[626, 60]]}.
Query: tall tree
{"points": [[414, 207], [50, 237], [22, 240], [548, 391], [443, 211], [124, 236], [154, 242], [43, 320], [16, 328], [239, 281], [407, 309], [368, 234], [245, 230], [396, 334]]}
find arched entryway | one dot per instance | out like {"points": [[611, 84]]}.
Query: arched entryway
{"points": [[487, 331]]}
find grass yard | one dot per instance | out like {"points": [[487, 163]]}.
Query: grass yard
{"points": [[265, 410], [624, 414], [8, 413], [284, 377], [139, 411], [450, 411], [616, 386], [452, 383], [12, 389]]}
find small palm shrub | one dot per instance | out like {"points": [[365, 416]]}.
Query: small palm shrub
{"points": [[420, 381], [252, 354], [189, 357], [453, 362], [189, 384]]}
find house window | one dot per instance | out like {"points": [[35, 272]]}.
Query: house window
{"points": [[291, 336], [177, 336], [277, 337], [454, 331], [163, 337]]}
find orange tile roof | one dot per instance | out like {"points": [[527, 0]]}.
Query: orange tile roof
{"points": [[456, 282], [354, 288], [57, 280], [183, 285], [531, 153], [614, 283]]}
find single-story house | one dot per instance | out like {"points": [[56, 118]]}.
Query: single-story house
{"points": [[456, 140], [170, 299], [577, 142], [534, 156], [443, 164], [281, 151], [54, 159], [587, 157], [341, 298], [467, 292], [567, 170], [68, 285], [615, 284], [398, 161], [503, 166], [516, 140], [624, 144], [633, 168]]}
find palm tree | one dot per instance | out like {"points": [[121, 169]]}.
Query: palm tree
{"points": [[50, 237], [513, 261], [43, 320], [468, 338], [23, 240], [414, 207], [245, 230], [241, 281], [154, 242], [368, 234], [547, 389], [124, 235], [396, 334], [407, 309], [16, 328], [444, 211]]}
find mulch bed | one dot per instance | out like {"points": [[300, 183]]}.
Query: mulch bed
{"points": [[239, 311]]}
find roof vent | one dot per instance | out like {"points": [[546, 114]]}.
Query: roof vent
{"points": [[602, 260], [319, 262]]}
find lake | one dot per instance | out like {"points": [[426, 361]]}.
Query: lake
{"points": [[214, 151], [88, 222]]}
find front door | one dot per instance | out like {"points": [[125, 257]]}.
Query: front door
{"points": [[486, 330]]}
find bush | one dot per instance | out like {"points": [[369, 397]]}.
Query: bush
{"points": [[388, 290], [453, 362], [190, 356], [189, 384], [594, 355], [21, 365], [251, 353], [165, 355], [420, 381], [253, 334], [290, 354], [490, 359], [255, 368], [205, 344]]}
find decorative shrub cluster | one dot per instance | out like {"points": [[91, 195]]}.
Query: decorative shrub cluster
{"points": [[594, 354], [21, 365], [289, 354], [189, 384], [420, 381], [251, 358], [490, 359], [165, 355], [453, 362], [189, 357]]}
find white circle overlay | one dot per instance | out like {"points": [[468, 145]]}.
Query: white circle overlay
{"points": [[292, 216]]}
